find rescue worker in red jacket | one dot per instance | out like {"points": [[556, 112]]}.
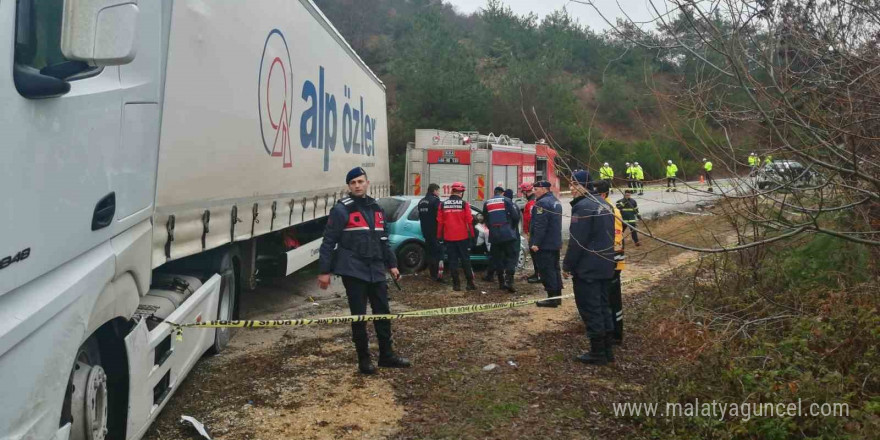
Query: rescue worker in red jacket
{"points": [[528, 192], [356, 248], [455, 227]]}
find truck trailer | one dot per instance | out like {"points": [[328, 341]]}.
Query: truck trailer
{"points": [[155, 156], [481, 162]]}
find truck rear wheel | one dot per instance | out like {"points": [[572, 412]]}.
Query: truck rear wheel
{"points": [[228, 299], [85, 404]]}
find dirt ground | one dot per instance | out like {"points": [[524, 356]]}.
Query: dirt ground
{"points": [[302, 382]]}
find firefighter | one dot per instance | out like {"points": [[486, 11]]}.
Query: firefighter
{"points": [[545, 241], [707, 171], [428, 220], [355, 247], [629, 211], [640, 178], [671, 171], [589, 259], [768, 160], [606, 173], [455, 227], [615, 294], [502, 218], [490, 267], [527, 190]]}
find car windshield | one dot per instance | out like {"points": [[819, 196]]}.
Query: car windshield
{"points": [[393, 208]]}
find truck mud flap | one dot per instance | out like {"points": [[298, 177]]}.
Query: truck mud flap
{"points": [[158, 362], [302, 256]]}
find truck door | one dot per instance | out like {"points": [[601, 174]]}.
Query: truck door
{"points": [[68, 178]]}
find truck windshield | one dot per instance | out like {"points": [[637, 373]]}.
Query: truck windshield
{"points": [[393, 208]]}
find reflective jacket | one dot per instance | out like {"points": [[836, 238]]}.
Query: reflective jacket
{"points": [[631, 172], [546, 226], [671, 170], [606, 173], [502, 217], [590, 253], [619, 257], [454, 220], [753, 161], [629, 209], [428, 207], [707, 166], [355, 242], [640, 173], [527, 213]]}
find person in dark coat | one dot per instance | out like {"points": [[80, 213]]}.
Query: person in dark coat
{"points": [[490, 265], [629, 211], [502, 218], [428, 220], [356, 248], [545, 240], [589, 259]]}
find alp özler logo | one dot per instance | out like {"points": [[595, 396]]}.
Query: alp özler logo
{"points": [[275, 97]]}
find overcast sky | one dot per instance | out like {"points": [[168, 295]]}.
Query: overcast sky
{"points": [[639, 10]]}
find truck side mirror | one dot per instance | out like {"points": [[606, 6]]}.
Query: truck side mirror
{"points": [[100, 32]]}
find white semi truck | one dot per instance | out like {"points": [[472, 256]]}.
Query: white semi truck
{"points": [[154, 156]]}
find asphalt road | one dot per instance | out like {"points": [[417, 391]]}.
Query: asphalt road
{"points": [[657, 202]]}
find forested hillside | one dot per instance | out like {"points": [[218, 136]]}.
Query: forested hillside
{"points": [[596, 95]]}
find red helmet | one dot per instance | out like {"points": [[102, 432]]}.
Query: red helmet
{"points": [[458, 186], [526, 187]]}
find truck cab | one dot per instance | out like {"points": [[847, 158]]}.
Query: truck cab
{"points": [[142, 189]]}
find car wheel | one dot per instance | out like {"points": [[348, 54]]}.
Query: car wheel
{"points": [[410, 258]]}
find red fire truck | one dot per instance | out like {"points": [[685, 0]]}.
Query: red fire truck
{"points": [[480, 161]]}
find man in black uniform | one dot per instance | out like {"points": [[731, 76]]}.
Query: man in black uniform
{"points": [[629, 212], [545, 240], [502, 218], [428, 219], [590, 259], [356, 248], [490, 266]]}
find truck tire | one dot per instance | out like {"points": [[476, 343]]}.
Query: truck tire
{"points": [[226, 307], [86, 401], [410, 258]]}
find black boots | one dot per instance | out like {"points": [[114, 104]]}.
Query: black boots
{"points": [[505, 281], [550, 302], [597, 354], [609, 345], [456, 282], [387, 358], [508, 285], [365, 363], [534, 279], [490, 274]]}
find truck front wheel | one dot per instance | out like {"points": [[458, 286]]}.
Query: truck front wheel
{"points": [[85, 403]]}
